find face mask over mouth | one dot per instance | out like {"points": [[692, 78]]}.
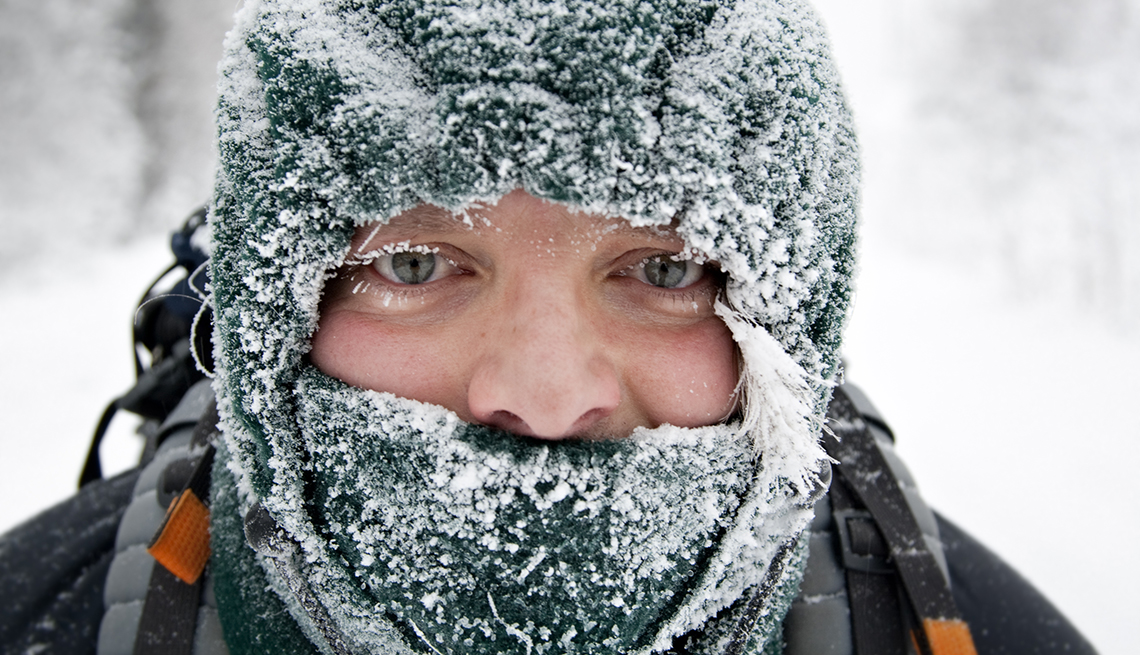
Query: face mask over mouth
{"points": [[466, 539], [723, 119]]}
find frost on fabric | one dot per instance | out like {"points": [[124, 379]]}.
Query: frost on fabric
{"points": [[621, 111], [727, 120], [484, 542], [731, 121], [778, 397]]}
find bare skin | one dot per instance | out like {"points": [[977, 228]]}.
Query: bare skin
{"points": [[535, 319]]}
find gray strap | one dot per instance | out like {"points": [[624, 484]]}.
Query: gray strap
{"points": [[170, 613], [268, 539], [148, 610]]}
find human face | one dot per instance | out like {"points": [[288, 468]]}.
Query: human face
{"points": [[530, 318]]}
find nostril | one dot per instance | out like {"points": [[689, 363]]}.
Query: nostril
{"points": [[591, 417], [510, 422], [504, 420], [571, 395]]}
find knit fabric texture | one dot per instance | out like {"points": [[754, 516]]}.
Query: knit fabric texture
{"points": [[476, 541], [725, 119]]}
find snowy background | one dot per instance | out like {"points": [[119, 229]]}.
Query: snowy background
{"points": [[997, 324]]}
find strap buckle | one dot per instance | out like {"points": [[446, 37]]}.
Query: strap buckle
{"points": [[863, 546]]}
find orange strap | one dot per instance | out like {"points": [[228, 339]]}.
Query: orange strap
{"points": [[948, 637], [183, 543]]}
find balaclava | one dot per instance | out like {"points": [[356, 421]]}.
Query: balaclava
{"points": [[416, 532]]}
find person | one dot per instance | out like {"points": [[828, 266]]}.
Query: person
{"points": [[527, 324]]}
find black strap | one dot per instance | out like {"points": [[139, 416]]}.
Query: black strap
{"points": [[155, 394], [758, 605], [877, 625], [865, 471], [170, 612], [169, 615], [206, 430], [92, 467]]}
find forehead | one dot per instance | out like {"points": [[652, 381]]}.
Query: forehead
{"points": [[517, 218]]}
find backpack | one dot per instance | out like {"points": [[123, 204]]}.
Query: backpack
{"points": [[877, 581], [172, 329], [80, 571]]}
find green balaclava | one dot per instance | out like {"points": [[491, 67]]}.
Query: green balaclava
{"points": [[414, 532]]}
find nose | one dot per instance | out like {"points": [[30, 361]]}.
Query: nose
{"points": [[547, 375]]}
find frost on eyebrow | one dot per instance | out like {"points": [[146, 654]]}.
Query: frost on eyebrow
{"points": [[429, 222]]}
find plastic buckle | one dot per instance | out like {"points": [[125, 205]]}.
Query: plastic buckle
{"points": [[851, 559]]}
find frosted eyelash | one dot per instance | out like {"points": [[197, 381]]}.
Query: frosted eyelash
{"points": [[692, 254], [366, 258]]}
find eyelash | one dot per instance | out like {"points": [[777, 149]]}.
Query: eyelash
{"points": [[386, 287], [369, 259], [681, 298], [632, 270], [686, 295], [366, 258]]}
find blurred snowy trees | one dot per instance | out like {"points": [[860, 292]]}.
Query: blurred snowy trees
{"points": [[1020, 147], [105, 117], [998, 133]]}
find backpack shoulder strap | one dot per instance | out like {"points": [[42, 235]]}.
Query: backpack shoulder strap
{"points": [[152, 607], [874, 519]]}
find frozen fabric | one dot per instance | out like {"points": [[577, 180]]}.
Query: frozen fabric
{"points": [[723, 119], [479, 541]]}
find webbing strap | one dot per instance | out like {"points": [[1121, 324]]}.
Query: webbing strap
{"points": [[877, 624], [181, 547], [758, 604], [866, 472], [206, 429], [92, 467], [169, 615]]}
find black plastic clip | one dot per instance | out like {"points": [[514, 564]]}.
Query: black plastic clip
{"points": [[864, 548]]}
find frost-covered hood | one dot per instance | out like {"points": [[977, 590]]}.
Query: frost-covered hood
{"points": [[725, 117]]}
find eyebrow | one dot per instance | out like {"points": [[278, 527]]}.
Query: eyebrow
{"points": [[435, 220], [428, 218], [423, 218]]}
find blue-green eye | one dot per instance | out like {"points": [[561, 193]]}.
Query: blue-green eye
{"points": [[410, 267], [413, 267], [668, 273]]}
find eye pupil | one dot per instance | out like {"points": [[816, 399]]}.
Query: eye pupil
{"points": [[413, 267], [662, 271]]}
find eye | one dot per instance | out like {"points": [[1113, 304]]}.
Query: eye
{"points": [[412, 267], [666, 272]]}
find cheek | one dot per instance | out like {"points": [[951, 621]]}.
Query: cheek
{"points": [[372, 354], [685, 378]]}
